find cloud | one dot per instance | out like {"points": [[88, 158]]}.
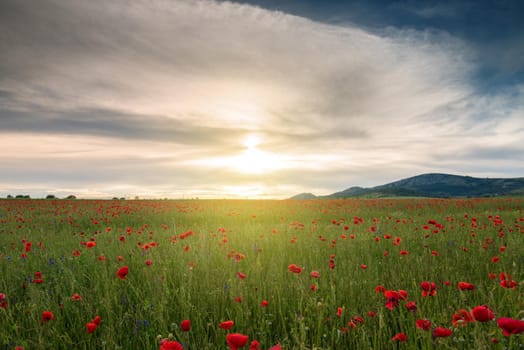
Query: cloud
{"points": [[214, 58], [112, 123], [162, 92], [427, 10]]}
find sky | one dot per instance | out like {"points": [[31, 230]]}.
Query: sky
{"points": [[255, 99]]}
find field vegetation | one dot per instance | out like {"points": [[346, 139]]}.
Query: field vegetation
{"points": [[226, 274]]}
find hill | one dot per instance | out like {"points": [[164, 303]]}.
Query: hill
{"points": [[436, 185], [303, 196]]}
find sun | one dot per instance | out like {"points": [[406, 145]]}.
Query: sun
{"points": [[252, 141], [251, 160], [254, 160]]}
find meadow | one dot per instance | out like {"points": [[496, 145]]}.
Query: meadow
{"points": [[227, 274]]}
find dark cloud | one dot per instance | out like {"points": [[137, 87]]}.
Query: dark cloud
{"points": [[496, 153], [493, 28], [4, 94], [107, 123]]}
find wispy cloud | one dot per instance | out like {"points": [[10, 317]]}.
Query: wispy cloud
{"points": [[434, 9], [158, 96]]}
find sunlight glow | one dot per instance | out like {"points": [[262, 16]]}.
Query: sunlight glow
{"points": [[251, 160], [254, 160], [252, 141], [244, 191]]}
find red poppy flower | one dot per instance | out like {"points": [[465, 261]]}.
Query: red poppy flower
{"points": [[441, 332], [226, 324], [482, 313], [3, 301], [276, 347], [506, 281], [186, 234], [47, 316], [38, 278], [357, 220], [264, 303], [90, 244], [122, 272], [392, 294], [91, 327], [465, 286], [171, 345], [400, 337], [295, 269], [241, 275], [411, 306], [185, 325], [236, 340], [380, 289], [76, 297], [508, 284], [423, 324], [352, 324], [392, 299], [332, 264], [314, 274], [461, 318], [403, 295], [254, 345], [340, 311], [428, 288], [97, 320], [510, 326]]}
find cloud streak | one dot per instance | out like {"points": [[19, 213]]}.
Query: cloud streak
{"points": [[161, 92]]}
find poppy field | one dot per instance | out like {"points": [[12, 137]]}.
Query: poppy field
{"points": [[238, 274]]}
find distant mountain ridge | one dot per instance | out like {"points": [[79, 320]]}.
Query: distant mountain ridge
{"points": [[434, 185]]}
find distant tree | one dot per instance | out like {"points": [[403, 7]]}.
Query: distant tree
{"points": [[71, 196], [122, 198], [22, 196], [50, 196], [115, 198], [9, 196]]}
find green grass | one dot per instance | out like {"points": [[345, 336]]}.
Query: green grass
{"points": [[196, 278]]}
